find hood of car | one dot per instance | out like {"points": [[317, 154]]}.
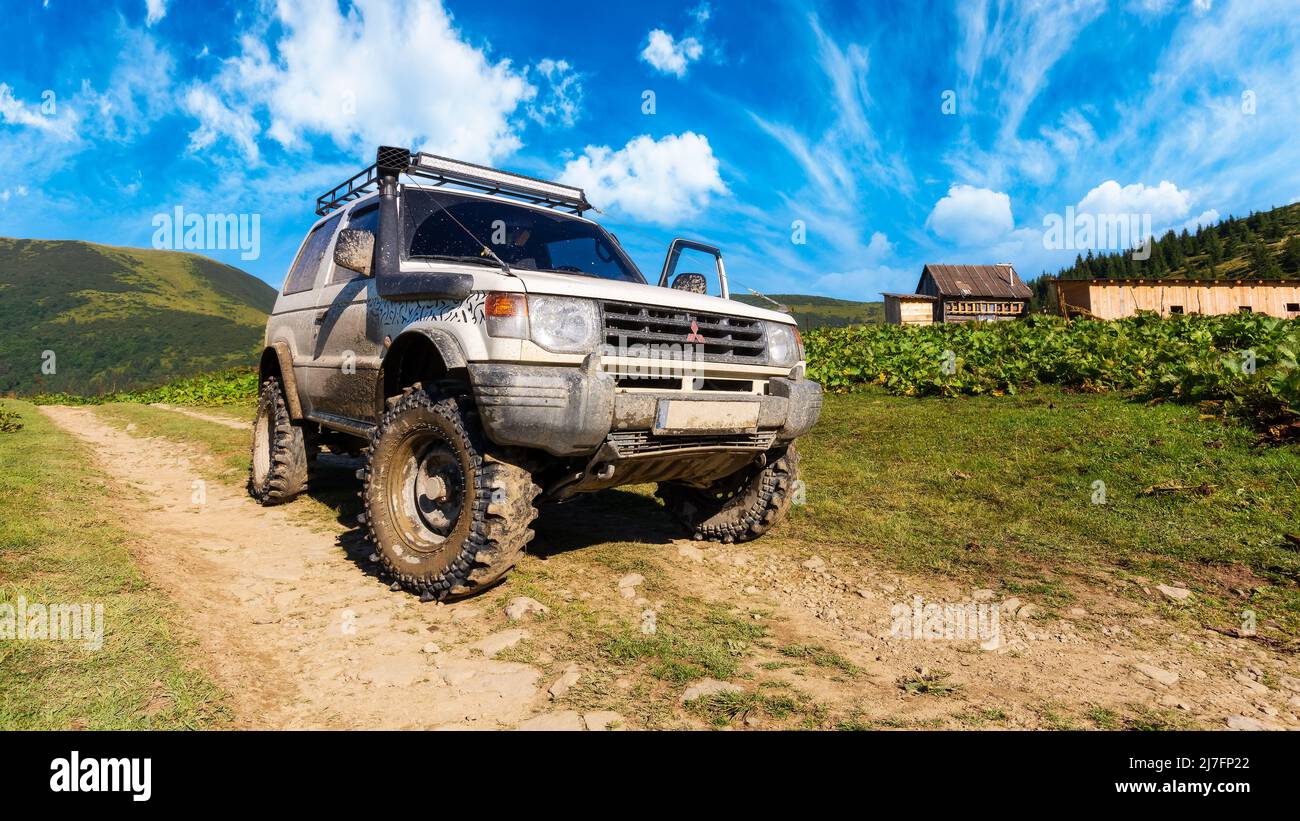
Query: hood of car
{"points": [[545, 282]]}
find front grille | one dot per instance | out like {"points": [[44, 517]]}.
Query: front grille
{"points": [[721, 338], [640, 442]]}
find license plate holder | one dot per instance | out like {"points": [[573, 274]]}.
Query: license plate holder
{"points": [[679, 416]]}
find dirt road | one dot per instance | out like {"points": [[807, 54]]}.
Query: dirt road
{"points": [[296, 626]]}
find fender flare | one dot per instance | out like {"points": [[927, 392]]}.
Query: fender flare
{"points": [[448, 348], [284, 358]]}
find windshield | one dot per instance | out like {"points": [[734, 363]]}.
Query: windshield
{"points": [[446, 225]]}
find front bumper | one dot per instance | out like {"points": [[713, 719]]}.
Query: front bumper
{"points": [[568, 411]]}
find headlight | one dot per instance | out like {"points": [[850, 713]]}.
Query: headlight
{"points": [[782, 344], [563, 324]]}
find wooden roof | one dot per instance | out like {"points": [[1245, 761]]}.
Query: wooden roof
{"points": [[987, 281], [915, 297]]}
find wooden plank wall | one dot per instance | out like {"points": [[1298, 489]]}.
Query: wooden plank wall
{"points": [[908, 311], [1113, 300]]}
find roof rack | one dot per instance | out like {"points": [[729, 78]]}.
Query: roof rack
{"points": [[446, 171]]}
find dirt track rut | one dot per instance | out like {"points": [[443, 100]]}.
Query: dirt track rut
{"points": [[296, 626], [297, 631]]}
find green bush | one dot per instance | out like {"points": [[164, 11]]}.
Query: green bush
{"points": [[1246, 361], [227, 387]]}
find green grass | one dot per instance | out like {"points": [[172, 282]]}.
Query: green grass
{"points": [[61, 542], [885, 475], [688, 645], [821, 657], [928, 683], [723, 709]]}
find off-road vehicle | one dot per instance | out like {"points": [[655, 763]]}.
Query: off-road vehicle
{"points": [[487, 348]]}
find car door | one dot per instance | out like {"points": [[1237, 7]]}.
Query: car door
{"points": [[294, 321], [346, 358]]}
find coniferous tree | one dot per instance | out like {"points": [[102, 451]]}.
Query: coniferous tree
{"points": [[1291, 254], [1214, 247], [1262, 261]]}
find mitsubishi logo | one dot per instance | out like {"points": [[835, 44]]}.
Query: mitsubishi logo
{"points": [[694, 335]]}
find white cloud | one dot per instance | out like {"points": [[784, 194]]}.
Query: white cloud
{"points": [[1009, 53], [155, 11], [1165, 202], [44, 116], [382, 73], [1209, 217], [560, 99], [219, 120], [135, 96], [671, 56], [971, 216], [664, 181]]}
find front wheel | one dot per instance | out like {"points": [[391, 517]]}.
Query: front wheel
{"points": [[279, 459], [448, 514], [739, 507]]}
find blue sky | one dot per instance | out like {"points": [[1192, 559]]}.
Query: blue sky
{"points": [[882, 135]]}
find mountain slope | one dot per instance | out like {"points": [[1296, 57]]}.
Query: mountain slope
{"points": [[1263, 245], [821, 311], [119, 318]]}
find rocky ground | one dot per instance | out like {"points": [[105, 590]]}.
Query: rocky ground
{"points": [[595, 632]]}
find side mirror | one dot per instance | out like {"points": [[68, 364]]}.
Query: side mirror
{"points": [[675, 249], [355, 250], [694, 283]]}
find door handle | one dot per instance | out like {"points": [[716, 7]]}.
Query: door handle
{"points": [[320, 317]]}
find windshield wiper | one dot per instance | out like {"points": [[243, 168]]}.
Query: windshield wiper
{"points": [[493, 260]]}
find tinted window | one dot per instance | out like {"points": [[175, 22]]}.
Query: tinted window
{"points": [[447, 225], [303, 274], [366, 218]]}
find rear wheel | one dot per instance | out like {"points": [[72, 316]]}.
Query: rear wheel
{"points": [[448, 513], [279, 457], [739, 507]]}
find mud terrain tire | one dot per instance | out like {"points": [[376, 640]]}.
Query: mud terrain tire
{"points": [[279, 455], [739, 507], [447, 512]]}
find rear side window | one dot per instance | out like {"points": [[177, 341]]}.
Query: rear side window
{"points": [[303, 274]]}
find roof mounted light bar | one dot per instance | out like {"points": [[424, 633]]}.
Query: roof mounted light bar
{"points": [[394, 162]]}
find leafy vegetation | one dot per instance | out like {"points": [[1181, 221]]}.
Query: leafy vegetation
{"points": [[820, 311], [120, 318], [1246, 362], [10, 422], [235, 386]]}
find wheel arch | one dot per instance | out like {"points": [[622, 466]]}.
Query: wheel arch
{"points": [[427, 355], [277, 361]]}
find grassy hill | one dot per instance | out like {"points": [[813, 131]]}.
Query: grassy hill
{"points": [[119, 318], [821, 311]]}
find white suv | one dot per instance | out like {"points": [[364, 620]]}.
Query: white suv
{"points": [[488, 348]]}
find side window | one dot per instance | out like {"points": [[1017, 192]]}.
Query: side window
{"points": [[365, 218], [303, 274]]}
